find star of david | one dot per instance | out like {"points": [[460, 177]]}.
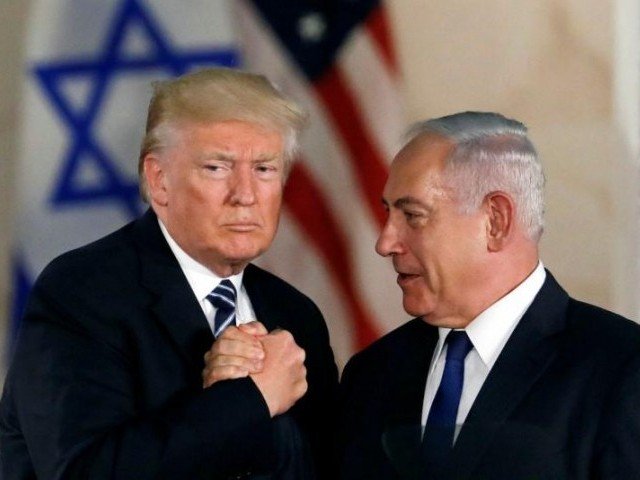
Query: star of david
{"points": [[100, 69]]}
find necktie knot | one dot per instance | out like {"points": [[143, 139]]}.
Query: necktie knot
{"points": [[458, 345], [223, 297]]}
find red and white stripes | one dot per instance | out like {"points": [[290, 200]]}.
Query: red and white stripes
{"points": [[333, 212]]}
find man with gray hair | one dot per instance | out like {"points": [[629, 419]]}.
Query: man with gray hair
{"points": [[122, 370], [501, 375]]}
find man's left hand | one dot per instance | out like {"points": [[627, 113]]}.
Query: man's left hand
{"points": [[236, 353]]}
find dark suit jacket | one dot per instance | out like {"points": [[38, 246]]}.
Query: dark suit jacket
{"points": [[561, 402], [106, 381]]}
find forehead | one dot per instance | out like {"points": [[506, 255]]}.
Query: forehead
{"points": [[231, 135], [418, 167]]}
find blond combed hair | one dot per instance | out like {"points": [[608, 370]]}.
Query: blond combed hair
{"points": [[218, 95]]}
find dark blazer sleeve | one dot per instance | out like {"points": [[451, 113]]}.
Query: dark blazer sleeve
{"points": [[279, 305], [320, 402], [617, 455], [73, 398]]}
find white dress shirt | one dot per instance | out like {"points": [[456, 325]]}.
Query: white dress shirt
{"points": [[488, 333], [203, 281]]}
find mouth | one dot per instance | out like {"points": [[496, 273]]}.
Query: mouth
{"points": [[242, 227], [406, 278]]}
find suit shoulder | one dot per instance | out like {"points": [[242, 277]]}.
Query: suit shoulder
{"points": [[101, 255], [88, 291], [89, 280], [393, 342], [603, 327], [271, 284]]}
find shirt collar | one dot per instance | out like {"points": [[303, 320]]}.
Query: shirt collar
{"points": [[200, 278], [490, 330]]}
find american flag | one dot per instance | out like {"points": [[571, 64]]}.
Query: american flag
{"points": [[88, 68], [337, 58]]}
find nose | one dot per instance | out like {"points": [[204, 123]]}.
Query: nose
{"points": [[242, 187], [389, 242]]}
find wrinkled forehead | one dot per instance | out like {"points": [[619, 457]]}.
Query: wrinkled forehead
{"points": [[427, 148], [419, 166]]}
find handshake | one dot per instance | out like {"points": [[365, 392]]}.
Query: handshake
{"points": [[273, 361]]}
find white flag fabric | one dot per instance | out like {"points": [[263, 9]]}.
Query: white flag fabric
{"points": [[88, 69]]}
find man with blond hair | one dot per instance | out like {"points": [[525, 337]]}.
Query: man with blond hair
{"points": [[125, 364], [501, 375]]}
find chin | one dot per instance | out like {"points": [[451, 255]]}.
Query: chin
{"points": [[418, 305], [433, 321], [240, 258], [244, 255], [414, 311]]}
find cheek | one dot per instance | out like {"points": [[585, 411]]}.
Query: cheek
{"points": [[205, 195], [271, 203], [180, 188], [275, 200], [443, 258], [422, 246], [472, 238], [463, 251]]}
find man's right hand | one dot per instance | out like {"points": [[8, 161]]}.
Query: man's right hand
{"points": [[235, 354], [274, 361], [283, 379]]}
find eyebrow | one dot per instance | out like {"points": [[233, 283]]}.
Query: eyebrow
{"points": [[266, 158], [405, 201], [223, 157]]}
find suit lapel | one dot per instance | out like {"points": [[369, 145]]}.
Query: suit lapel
{"points": [[407, 379], [527, 354], [263, 302], [174, 305], [417, 358]]}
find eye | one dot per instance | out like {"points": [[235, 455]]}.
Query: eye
{"points": [[216, 170], [409, 215], [267, 170], [414, 218]]}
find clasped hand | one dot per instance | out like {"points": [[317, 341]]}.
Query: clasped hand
{"points": [[272, 360]]}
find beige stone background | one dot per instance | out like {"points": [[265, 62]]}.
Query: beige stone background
{"points": [[567, 68]]}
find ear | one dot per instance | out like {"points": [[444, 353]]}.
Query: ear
{"points": [[155, 175], [500, 210]]}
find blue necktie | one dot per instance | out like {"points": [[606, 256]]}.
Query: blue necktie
{"points": [[223, 297], [441, 422]]}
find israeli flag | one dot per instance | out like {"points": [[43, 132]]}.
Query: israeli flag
{"points": [[88, 69]]}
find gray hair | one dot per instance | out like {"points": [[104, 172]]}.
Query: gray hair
{"points": [[218, 95], [491, 153]]}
